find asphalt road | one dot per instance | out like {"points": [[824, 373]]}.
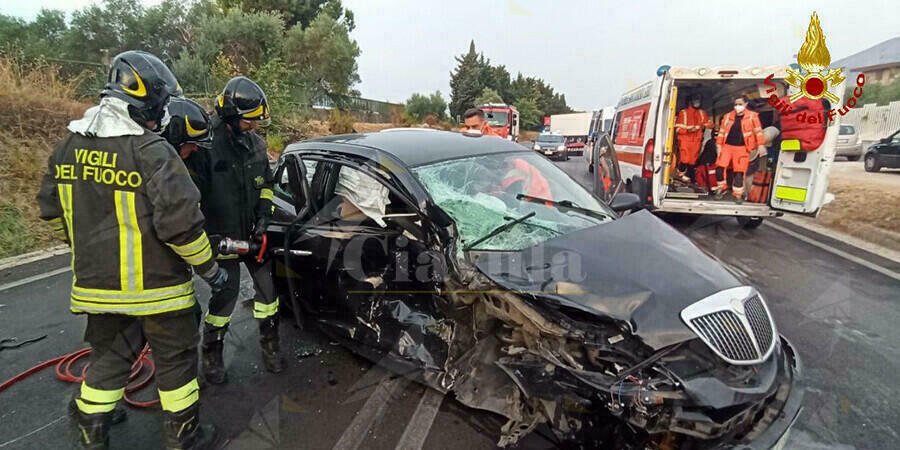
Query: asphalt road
{"points": [[840, 314]]}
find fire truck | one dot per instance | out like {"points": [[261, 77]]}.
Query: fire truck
{"points": [[503, 119]]}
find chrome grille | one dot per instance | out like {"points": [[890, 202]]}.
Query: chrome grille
{"points": [[725, 331], [760, 322], [735, 324]]}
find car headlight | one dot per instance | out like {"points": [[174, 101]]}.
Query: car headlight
{"points": [[536, 147], [561, 147]]}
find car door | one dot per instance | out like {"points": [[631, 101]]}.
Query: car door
{"points": [[607, 175], [369, 279], [890, 153]]}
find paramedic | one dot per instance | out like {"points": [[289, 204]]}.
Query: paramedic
{"points": [[474, 122], [235, 182], [739, 134], [690, 123], [121, 198]]}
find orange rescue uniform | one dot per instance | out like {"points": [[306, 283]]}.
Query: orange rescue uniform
{"points": [[736, 156], [689, 141]]}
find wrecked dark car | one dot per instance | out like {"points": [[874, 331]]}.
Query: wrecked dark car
{"points": [[479, 268]]}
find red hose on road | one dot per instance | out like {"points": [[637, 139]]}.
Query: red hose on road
{"points": [[64, 372]]}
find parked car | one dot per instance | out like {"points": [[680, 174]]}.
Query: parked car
{"points": [[849, 143], [885, 153], [480, 268], [552, 145]]}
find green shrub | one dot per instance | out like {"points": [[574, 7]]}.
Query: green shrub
{"points": [[340, 122]]}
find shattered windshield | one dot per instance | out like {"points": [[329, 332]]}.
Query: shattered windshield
{"points": [[485, 192]]}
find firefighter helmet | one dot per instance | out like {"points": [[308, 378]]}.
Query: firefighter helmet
{"points": [[188, 124], [242, 98], [144, 82]]}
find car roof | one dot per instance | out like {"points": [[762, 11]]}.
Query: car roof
{"points": [[415, 147]]}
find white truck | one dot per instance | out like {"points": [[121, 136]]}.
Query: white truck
{"points": [[575, 127]]}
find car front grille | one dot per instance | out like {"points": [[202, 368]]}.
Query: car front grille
{"points": [[735, 324]]}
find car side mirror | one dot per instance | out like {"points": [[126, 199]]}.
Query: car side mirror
{"points": [[625, 201], [885, 140], [438, 216]]}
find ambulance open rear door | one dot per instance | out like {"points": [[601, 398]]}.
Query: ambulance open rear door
{"points": [[801, 177], [664, 153]]}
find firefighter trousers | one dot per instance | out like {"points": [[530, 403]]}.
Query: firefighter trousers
{"points": [[116, 342], [265, 303]]}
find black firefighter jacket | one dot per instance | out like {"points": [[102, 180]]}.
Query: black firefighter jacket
{"points": [[235, 181], [129, 211]]}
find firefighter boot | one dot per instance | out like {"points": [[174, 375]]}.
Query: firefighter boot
{"points": [[268, 342], [212, 361], [93, 429], [118, 414], [182, 430]]}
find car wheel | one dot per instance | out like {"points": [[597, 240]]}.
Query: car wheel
{"points": [[871, 164], [749, 222], [591, 168], [853, 158]]}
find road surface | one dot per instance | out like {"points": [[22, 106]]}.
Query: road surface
{"points": [[840, 313]]}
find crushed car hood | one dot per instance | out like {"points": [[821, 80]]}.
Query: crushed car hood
{"points": [[636, 269]]}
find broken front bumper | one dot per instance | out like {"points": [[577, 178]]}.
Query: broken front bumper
{"points": [[773, 434]]}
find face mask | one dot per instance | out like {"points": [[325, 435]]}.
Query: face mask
{"points": [[739, 108], [696, 103]]}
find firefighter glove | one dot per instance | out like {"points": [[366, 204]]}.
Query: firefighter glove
{"points": [[216, 279], [260, 228]]}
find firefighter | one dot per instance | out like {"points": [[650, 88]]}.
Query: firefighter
{"points": [[127, 208], [235, 182], [188, 129], [474, 121], [690, 123], [739, 134]]}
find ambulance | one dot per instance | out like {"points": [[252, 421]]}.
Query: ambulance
{"points": [[644, 140]]}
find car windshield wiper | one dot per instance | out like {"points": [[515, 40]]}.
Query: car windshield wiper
{"points": [[567, 204], [498, 230]]}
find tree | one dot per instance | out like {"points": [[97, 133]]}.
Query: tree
{"points": [[465, 82], [474, 74], [419, 106], [530, 116], [488, 95], [294, 12], [324, 56]]}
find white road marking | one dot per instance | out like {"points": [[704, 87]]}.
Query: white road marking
{"points": [[18, 260], [419, 426], [12, 441], [34, 278], [838, 252], [365, 418]]}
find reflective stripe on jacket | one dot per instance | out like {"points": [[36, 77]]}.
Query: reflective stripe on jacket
{"points": [[750, 128], [130, 213]]}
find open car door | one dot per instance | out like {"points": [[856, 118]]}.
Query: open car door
{"points": [[664, 153], [607, 177], [801, 177]]}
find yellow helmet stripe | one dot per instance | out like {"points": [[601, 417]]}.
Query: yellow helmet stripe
{"points": [[141, 90], [190, 130], [255, 113]]}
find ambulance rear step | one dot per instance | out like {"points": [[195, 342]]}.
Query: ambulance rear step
{"points": [[725, 207]]}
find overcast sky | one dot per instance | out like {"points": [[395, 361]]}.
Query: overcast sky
{"points": [[590, 50]]}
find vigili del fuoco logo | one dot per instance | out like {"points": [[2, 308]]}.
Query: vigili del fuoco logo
{"points": [[815, 81]]}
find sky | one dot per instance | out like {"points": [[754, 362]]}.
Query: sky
{"points": [[590, 50]]}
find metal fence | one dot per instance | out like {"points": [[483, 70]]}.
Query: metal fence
{"points": [[874, 122]]}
